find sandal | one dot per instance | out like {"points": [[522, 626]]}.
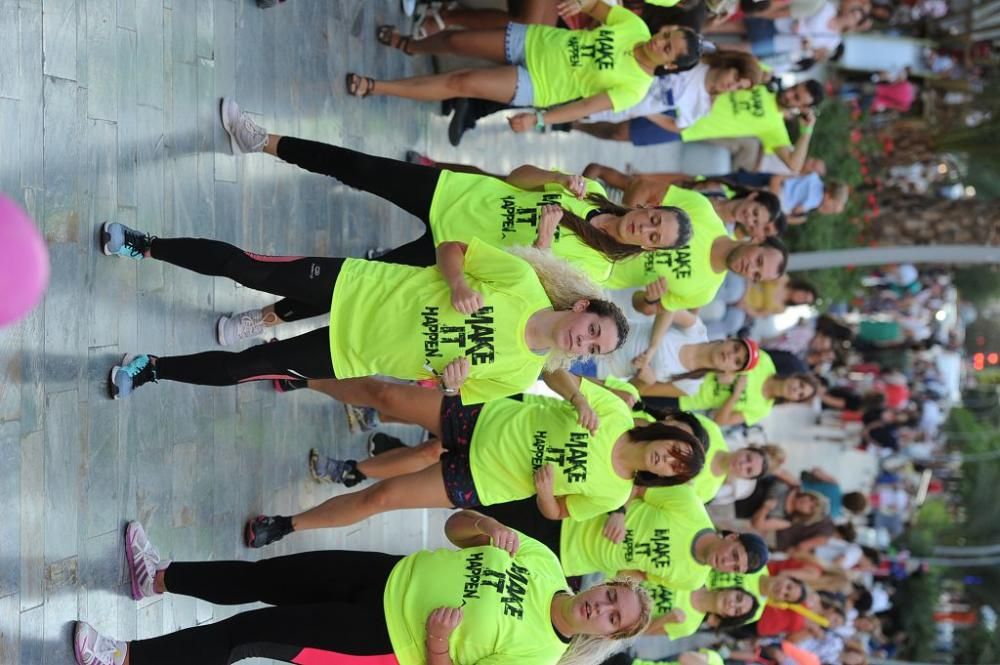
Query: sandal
{"points": [[387, 35], [353, 83], [431, 11]]}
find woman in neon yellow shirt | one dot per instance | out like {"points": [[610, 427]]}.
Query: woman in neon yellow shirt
{"points": [[679, 614], [586, 71], [749, 397], [580, 226], [500, 598], [497, 452], [484, 320], [672, 544]]}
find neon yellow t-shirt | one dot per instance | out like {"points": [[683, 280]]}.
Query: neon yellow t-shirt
{"points": [[749, 582], [751, 404], [663, 3], [658, 542], [666, 599], [566, 65], [691, 280], [392, 319], [467, 206], [512, 439], [713, 657], [505, 601], [706, 484], [752, 112]]}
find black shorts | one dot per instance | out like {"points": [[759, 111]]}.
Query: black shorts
{"points": [[457, 424]]}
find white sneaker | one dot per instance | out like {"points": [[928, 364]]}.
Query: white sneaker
{"points": [[244, 134], [234, 327], [92, 648], [143, 561]]}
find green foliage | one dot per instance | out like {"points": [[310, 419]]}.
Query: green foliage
{"points": [[919, 595], [978, 143], [977, 646], [980, 284], [831, 142]]}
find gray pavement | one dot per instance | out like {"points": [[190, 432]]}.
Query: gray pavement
{"points": [[110, 112]]}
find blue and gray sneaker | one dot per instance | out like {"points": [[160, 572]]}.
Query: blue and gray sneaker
{"points": [[361, 418], [120, 240], [132, 372], [325, 469]]}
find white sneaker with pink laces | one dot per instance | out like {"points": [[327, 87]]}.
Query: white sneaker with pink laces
{"points": [[92, 648], [143, 561]]}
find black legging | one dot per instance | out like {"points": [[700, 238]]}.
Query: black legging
{"points": [[409, 186], [310, 280], [326, 601], [523, 515]]}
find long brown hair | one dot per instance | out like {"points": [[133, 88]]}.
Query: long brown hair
{"points": [[746, 66], [608, 246], [701, 371]]}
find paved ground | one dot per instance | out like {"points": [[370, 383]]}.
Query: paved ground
{"points": [[109, 111]]}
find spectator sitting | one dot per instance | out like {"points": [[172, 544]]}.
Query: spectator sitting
{"points": [[818, 480], [799, 194], [727, 314]]}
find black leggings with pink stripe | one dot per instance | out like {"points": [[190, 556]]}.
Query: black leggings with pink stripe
{"points": [[327, 610], [308, 280]]}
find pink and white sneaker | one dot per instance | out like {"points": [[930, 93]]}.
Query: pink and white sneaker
{"points": [[92, 648], [143, 561]]}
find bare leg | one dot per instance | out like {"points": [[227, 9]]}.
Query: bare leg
{"points": [[495, 84], [401, 461], [474, 19], [423, 489], [539, 12], [487, 44], [727, 28], [612, 177], [401, 402], [612, 131]]}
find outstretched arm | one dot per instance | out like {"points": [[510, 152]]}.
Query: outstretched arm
{"points": [[567, 386], [523, 122], [532, 178], [596, 9]]}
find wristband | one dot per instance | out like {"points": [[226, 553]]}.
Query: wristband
{"points": [[655, 301], [573, 397], [539, 120], [448, 391], [806, 129], [618, 510]]}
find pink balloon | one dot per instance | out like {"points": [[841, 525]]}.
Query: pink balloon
{"points": [[24, 263]]}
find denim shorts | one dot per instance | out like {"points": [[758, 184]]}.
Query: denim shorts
{"points": [[760, 33], [524, 90], [646, 132]]}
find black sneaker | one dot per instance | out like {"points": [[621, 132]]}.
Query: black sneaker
{"points": [[265, 529], [288, 385], [379, 443], [457, 125]]}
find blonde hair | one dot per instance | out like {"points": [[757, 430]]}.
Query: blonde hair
{"points": [[775, 454], [565, 285], [594, 649]]}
